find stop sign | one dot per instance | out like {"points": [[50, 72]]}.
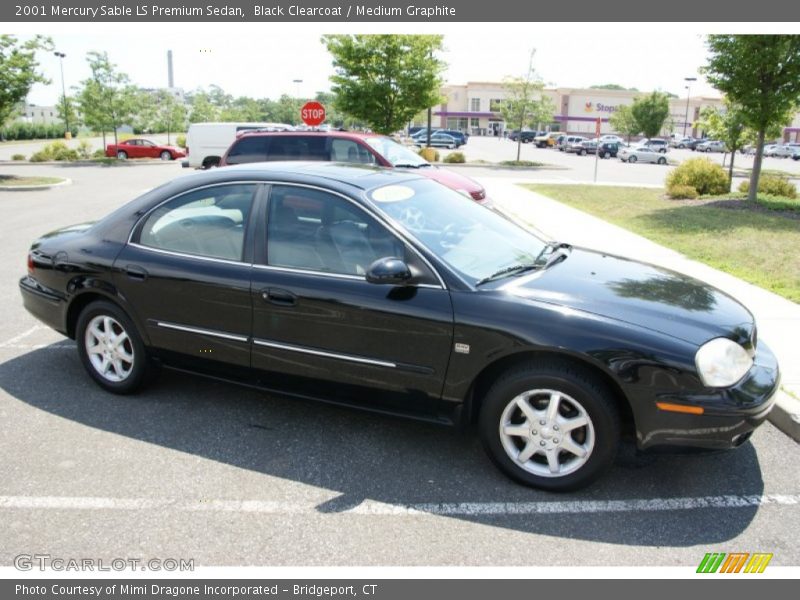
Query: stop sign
{"points": [[312, 113]]}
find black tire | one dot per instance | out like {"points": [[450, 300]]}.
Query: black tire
{"points": [[141, 368], [581, 395], [632, 159], [211, 162], [663, 151], [662, 160], [166, 155], [122, 155], [582, 152]]}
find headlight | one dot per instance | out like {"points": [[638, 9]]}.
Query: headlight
{"points": [[722, 362]]}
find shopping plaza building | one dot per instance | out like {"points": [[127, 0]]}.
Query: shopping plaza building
{"points": [[475, 108]]}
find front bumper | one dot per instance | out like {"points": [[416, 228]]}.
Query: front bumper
{"points": [[730, 414]]}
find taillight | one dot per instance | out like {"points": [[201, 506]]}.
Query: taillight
{"points": [[187, 150], [479, 195], [30, 263]]}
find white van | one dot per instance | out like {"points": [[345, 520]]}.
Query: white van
{"points": [[207, 142]]}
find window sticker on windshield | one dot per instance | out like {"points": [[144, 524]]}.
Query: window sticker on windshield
{"points": [[392, 193]]}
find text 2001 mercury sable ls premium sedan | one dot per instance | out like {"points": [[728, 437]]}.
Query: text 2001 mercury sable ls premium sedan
{"points": [[388, 291]]}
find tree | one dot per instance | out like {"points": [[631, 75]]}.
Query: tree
{"points": [[203, 111], [760, 74], [67, 111], [524, 103], [106, 100], [384, 80], [612, 86], [650, 113], [624, 123], [18, 70]]}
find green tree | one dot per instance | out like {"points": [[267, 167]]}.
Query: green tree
{"points": [[67, 111], [203, 111], [611, 86], [525, 104], [624, 123], [18, 70], [761, 75], [651, 113], [107, 99], [384, 80]]}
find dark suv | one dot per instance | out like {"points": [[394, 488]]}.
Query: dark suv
{"points": [[346, 147], [525, 136]]}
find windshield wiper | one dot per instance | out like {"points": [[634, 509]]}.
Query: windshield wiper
{"points": [[512, 270], [411, 165], [555, 252]]}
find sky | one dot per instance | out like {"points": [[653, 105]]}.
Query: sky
{"points": [[264, 60]]}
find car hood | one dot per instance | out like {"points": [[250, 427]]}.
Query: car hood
{"points": [[640, 294], [449, 178]]}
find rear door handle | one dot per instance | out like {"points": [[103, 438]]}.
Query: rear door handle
{"points": [[136, 272], [279, 297]]}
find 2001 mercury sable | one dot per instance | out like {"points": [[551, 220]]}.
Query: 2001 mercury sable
{"points": [[388, 291]]}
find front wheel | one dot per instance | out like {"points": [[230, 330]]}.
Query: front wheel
{"points": [[662, 160], [551, 425], [632, 159], [110, 348], [582, 152], [165, 155]]}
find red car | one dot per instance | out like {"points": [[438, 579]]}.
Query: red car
{"points": [[141, 148], [343, 146]]}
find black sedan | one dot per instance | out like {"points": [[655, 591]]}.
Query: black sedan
{"points": [[387, 291]]}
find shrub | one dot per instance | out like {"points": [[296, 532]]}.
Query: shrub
{"points": [[55, 151], [84, 149], [180, 140], [429, 154], [18, 157], [682, 192], [773, 186], [703, 175], [455, 157], [99, 153]]}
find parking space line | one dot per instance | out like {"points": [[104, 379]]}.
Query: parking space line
{"points": [[21, 336], [375, 508]]}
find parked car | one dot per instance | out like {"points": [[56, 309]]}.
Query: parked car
{"points": [[711, 146], [525, 137], [608, 149], [441, 140], [384, 290], [207, 142], [778, 151], [141, 148], [421, 136], [657, 144], [548, 140], [695, 142], [796, 155], [569, 139], [642, 154], [681, 142], [581, 147], [343, 146]]}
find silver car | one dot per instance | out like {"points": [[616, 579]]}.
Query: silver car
{"points": [[779, 151], [642, 154], [711, 146]]}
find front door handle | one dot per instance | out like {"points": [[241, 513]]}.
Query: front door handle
{"points": [[136, 272], [279, 297]]}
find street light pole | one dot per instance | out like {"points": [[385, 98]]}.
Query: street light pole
{"points": [[297, 83], [688, 87], [61, 56]]}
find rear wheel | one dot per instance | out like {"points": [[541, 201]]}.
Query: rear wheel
{"points": [[552, 426], [110, 348]]}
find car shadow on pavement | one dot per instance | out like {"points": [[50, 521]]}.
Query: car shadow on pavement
{"points": [[369, 457]]}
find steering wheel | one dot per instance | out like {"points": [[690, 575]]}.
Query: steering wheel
{"points": [[412, 217], [451, 235]]}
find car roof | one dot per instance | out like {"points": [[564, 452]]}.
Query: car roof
{"points": [[351, 135]]}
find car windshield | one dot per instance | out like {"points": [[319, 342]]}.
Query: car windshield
{"points": [[395, 153], [473, 241]]}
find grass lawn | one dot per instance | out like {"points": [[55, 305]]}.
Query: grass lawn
{"points": [[12, 180], [762, 247]]}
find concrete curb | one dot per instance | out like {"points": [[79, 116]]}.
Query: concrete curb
{"points": [[33, 188], [785, 415], [87, 163]]}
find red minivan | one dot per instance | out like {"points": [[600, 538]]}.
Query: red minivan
{"points": [[343, 146]]}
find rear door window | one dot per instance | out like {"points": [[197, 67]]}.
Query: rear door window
{"points": [[247, 150]]}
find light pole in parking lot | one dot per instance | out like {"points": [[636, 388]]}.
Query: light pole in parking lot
{"points": [[61, 56], [688, 80], [297, 83]]}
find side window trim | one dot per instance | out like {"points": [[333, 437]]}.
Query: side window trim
{"points": [[134, 238], [262, 262]]}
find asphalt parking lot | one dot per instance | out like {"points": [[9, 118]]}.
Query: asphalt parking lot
{"points": [[230, 476]]}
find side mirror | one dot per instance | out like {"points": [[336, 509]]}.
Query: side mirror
{"points": [[388, 271]]}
